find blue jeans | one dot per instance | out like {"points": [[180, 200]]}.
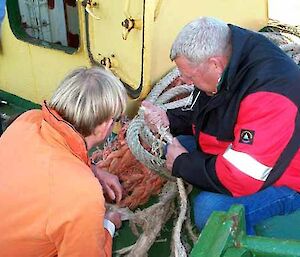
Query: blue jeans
{"points": [[260, 206]]}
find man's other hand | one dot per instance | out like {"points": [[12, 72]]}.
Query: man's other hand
{"points": [[173, 151]]}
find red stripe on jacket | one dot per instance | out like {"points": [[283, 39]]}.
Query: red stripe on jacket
{"points": [[211, 145]]}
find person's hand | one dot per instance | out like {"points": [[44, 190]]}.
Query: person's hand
{"points": [[114, 217], [110, 184], [173, 151], [155, 116]]}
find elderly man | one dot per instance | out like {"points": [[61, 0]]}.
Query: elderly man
{"points": [[243, 122]]}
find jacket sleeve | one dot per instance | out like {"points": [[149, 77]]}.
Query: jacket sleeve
{"points": [[198, 169], [265, 124], [76, 218], [180, 122]]}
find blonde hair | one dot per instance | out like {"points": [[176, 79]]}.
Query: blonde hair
{"points": [[89, 96]]}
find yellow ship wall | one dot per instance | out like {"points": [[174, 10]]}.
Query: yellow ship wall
{"points": [[33, 72], [139, 57]]}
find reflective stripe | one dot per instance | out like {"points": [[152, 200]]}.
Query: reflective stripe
{"points": [[109, 226], [247, 164]]}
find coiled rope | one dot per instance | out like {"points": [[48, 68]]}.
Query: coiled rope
{"points": [[138, 131], [286, 36]]}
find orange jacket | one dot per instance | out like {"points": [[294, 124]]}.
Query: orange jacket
{"points": [[51, 203]]}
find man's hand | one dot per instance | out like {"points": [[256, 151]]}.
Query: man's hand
{"points": [[114, 217], [155, 116], [173, 151], [110, 183]]}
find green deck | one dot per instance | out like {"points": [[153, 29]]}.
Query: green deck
{"points": [[11, 105]]}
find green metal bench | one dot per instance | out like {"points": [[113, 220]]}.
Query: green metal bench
{"points": [[224, 236]]}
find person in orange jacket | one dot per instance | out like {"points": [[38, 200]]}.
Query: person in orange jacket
{"points": [[52, 203]]}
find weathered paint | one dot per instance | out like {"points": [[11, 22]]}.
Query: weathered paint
{"points": [[224, 235], [33, 72]]}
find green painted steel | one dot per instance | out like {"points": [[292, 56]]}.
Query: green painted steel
{"points": [[224, 236], [11, 106], [273, 247], [220, 233], [18, 102], [282, 227], [237, 252]]}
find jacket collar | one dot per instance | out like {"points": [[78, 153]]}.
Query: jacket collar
{"points": [[73, 139], [249, 49]]}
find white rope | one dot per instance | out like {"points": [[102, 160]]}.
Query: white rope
{"points": [[286, 42], [162, 85], [137, 130], [179, 248]]}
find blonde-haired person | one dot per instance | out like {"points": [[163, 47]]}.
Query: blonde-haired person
{"points": [[51, 202]]}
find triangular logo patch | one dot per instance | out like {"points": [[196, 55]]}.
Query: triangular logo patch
{"points": [[247, 136]]}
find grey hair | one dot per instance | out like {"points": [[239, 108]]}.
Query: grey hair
{"points": [[89, 96], [201, 39]]}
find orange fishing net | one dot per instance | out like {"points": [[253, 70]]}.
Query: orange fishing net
{"points": [[139, 183]]}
